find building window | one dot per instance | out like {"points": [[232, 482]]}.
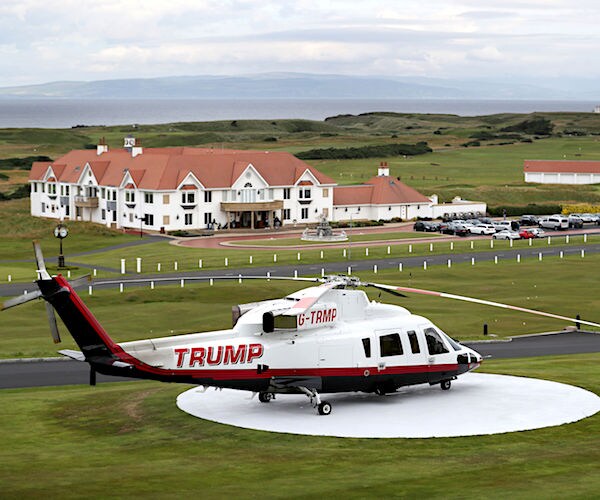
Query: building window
{"points": [[304, 214], [225, 195], [103, 214], [207, 196], [390, 345], [34, 187], [166, 199], [307, 194], [187, 198], [52, 188], [129, 197], [149, 219], [286, 214], [325, 192], [67, 211], [130, 217], [103, 192], [166, 220], [207, 219], [286, 193], [43, 207], [188, 219], [149, 198], [67, 190], [325, 212]]}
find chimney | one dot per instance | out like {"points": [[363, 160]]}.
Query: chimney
{"points": [[383, 170], [102, 147], [137, 148]]}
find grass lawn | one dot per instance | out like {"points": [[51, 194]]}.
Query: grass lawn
{"points": [[566, 287], [129, 440]]}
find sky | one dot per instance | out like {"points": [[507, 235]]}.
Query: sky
{"points": [[529, 41]]}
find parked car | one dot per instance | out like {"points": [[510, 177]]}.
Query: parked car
{"points": [[506, 224], [455, 227], [575, 221], [538, 232], [423, 225], [506, 234], [588, 217], [555, 222], [483, 229], [527, 234], [528, 220]]}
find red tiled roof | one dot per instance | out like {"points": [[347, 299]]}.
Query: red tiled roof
{"points": [[380, 190], [562, 166], [165, 168]]}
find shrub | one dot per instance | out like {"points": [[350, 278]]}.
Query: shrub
{"points": [[384, 150], [535, 126], [532, 208]]}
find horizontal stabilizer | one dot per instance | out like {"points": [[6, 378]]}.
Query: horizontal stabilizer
{"points": [[70, 353]]}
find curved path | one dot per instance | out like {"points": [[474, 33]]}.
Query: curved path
{"points": [[60, 371]]}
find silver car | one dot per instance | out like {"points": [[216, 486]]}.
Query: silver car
{"points": [[506, 234]]}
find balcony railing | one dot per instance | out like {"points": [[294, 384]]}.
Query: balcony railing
{"points": [[86, 201]]}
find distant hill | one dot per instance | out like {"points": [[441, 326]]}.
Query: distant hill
{"points": [[290, 86]]}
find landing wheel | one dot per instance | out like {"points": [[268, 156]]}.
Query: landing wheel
{"points": [[324, 408], [265, 397], [380, 390], [445, 385]]}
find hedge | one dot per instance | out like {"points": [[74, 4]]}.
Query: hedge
{"points": [[532, 209]]}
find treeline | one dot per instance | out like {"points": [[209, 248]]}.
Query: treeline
{"points": [[380, 151], [22, 191], [22, 163]]}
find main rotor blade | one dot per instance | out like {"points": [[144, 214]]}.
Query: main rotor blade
{"points": [[385, 289], [82, 280], [310, 298], [52, 322], [39, 258], [21, 299], [486, 303]]}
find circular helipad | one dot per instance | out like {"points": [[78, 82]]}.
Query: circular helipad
{"points": [[476, 404]]}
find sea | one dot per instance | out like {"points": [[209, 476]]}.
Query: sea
{"points": [[67, 113]]}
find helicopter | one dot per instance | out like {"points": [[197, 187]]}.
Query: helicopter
{"points": [[322, 339]]}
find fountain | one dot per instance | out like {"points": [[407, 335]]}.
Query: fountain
{"points": [[323, 232]]}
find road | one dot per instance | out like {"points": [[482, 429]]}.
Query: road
{"points": [[20, 374]]}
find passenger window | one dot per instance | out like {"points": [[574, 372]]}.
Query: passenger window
{"points": [[367, 347], [414, 342], [435, 344], [390, 345]]}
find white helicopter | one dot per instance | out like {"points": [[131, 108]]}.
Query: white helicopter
{"points": [[322, 339]]}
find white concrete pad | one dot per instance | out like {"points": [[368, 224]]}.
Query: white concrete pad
{"points": [[476, 404]]}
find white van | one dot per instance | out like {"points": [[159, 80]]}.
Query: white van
{"points": [[555, 222]]}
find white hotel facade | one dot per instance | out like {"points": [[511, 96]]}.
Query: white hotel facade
{"points": [[168, 189]]}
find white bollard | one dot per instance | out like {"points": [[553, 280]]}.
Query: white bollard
{"points": [[268, 275], [240, 279], [158, 267], [9, 278], [567, 238], [561, 254], [518, 257], [400, 266], [176, 265], [409, 248], [152, 285], [449, 263], [182, 284], [298, 255], [549, 240], [211, 281], [389, 250], [274, 257], [90, 290], [122, 266], [495, 259], [349, 270], [200, 263], [250, 259], [344, 252], [295, 273], [471, 245], [321, 254], [540, 256], [491, 243], [322, 272], [226, 261], [431, 247], [585, 238], [121, 287], [472, 261], [451, 245], [375, 268], [425, 265], [582, 253], [367, 252], [69, 273], [138, 265], [511, 243], [95, 273], [530, 241]]}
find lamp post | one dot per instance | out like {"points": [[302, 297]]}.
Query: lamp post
{"points": [[61, 232]]}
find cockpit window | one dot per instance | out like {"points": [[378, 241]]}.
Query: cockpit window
{"points": [[455, 345], [414, 342], [435, 344]]}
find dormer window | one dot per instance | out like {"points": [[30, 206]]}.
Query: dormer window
{"points": [[129, 196], [188, 198]]}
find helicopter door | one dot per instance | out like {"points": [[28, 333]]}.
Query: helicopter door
{"points": [[389, 347], [438, 353]]}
